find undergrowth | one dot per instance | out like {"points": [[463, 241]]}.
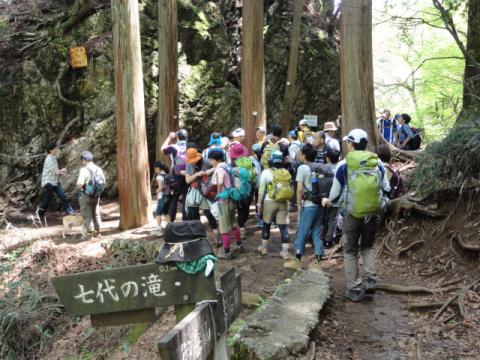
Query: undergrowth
{"points": [[454, 160], [28, 319]]}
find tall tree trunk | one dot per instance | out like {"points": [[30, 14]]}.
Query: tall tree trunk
{"points": [[167, 119], [471, 79], [328, 6], [292, 66], [356, 69], [132, 158], [253, 74]]}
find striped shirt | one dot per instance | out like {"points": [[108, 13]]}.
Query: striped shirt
{"points": [[50, 171]]}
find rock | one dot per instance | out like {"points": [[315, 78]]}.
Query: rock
{"points": [[251, 300], [280, 329]]}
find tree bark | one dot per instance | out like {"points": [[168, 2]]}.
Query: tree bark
{"points": [[253, 74], [292, 66], [471, 79], [167, 119], [356, 69], [132, 158], [328, 6]]}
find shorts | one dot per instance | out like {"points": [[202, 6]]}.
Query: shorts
{"points": [[162, 205], [226, 216], [275, 211]]}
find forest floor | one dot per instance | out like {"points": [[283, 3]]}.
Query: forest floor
{"points": [[386, 327]]}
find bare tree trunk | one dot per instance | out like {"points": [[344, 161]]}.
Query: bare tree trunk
{"points": [[167, 119], [292, 66], [253, 74], [356, 69], [471, 79], [132, 161]]}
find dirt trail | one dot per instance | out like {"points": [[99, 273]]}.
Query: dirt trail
{"points": [[379, 329]]}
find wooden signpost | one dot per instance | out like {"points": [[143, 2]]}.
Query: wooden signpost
{"points": [[130, 294], [201, 334]]}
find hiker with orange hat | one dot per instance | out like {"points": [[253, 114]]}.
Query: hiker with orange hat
{"points": [[198, 170], [329, 130]]}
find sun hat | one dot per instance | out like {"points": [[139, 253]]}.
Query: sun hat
{"points": [[184, 241], [329, 126], [261, 129], [193, 155], [356, 136], [215, 139], [238, 132], [238, 151]]}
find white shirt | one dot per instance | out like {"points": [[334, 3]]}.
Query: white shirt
{"points": [[332, 142]]}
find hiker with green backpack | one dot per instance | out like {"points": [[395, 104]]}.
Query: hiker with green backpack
{"points": [[275, 191], [273, 143], [360, 179]]}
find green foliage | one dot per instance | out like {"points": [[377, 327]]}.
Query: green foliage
{"points": [[28, 317], [454, 160]]}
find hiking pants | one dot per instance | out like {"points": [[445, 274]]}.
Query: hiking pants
{"points": [[243, 211], [48, 191], [193, 213], [359, 234], [311, 218], [180, 195], [331, 217], [90, 210]]}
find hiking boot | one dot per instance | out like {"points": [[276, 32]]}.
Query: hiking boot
{"points": [[369, 285], [223, 256], [355, 295], [263, 250], [294, 264], [285, 255], [239, 249], [243, 233], [40, 216], [260, 224]]}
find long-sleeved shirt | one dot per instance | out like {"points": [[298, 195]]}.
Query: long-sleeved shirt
{"points": [[50, 171], [405, 132], [340, 180]]}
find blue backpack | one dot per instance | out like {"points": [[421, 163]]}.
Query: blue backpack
{"points": [[242, 185]]}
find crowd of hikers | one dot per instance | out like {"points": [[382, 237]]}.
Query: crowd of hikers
{"points": [[304, 172], [334, 193]]}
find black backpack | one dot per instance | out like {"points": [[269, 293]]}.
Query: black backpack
{"points": [[322, 181], [396, 183]]}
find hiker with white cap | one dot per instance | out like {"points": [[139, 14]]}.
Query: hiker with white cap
{"points": [[238, 136], [260, 134], [360, 179], [329, 129]]}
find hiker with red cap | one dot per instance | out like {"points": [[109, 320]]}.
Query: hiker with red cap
{"points": [[198, 171], [240, 159]]}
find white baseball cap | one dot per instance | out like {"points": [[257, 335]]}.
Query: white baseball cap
{"points": [[238, 132], [302, 122], [355, 136]]}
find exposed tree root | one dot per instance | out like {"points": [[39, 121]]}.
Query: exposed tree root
{"points": [[462, 292], [401, 289], [464, 245], [424, 305], [403, 203], [404, 249]]}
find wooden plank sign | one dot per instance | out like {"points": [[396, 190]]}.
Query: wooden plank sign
{"points": [[195, 337], [231, 286], [131, 288], [78, 57]]}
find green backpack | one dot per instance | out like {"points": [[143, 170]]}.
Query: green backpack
{"points": [[270, 148], [247, 164], [364, 184], [280, 189]]}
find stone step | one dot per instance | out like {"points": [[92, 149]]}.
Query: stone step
{"points": [[280, 330]]}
